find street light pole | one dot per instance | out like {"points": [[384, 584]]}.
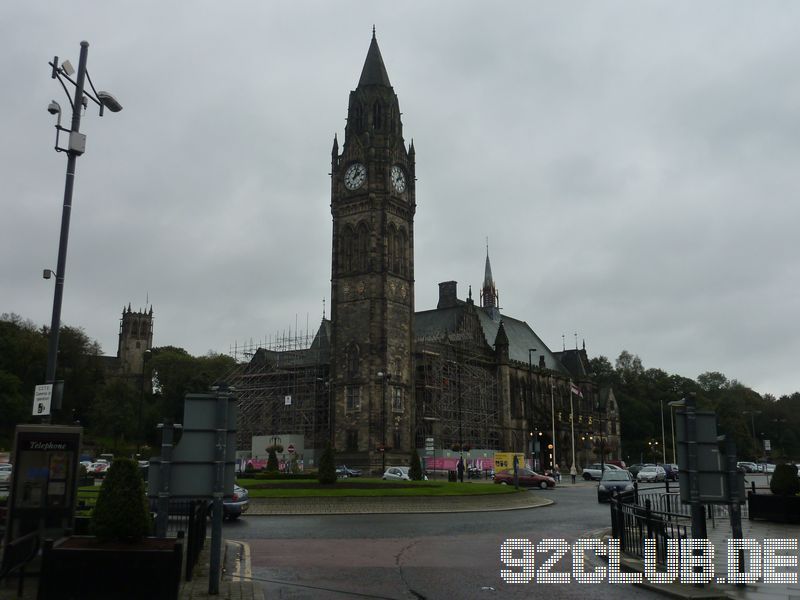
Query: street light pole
{"points": [[75, 147], [531, 424], [663, 438]]}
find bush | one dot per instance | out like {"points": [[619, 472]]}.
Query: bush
{"points": [[272, 460], [121, 512], [415, 470], [784, 481], [327, 468]]}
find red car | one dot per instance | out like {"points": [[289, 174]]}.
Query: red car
{"points": [[527, 478]]}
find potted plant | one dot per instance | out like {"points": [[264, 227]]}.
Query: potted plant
{"points": [[122, 560], [783, 505]]}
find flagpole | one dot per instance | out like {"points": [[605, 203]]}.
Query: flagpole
{"points": [[572, 425]]}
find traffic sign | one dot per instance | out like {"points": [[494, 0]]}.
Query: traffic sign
{"points": [[290, 448], [42, 397]]}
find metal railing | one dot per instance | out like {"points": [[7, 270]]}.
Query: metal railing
{"points": [[631, 524]]}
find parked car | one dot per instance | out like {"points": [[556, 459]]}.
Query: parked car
{"points": [[594, 471], [396, 474], [5, 473], [614, 482], [748, 467], [634, 469], [345, 471], [97, 469], [671, 471], [237, 505], [651, 473], [527, 478]]}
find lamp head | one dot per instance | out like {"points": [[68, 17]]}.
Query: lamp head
{"points": [[109, 101], [53, 108]]}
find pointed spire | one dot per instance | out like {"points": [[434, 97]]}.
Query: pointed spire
{"points": [[488, 281], [501, 340], [411, 150], [374, 71], [335, 150]]}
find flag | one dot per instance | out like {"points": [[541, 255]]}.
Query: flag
{"points": [[574, 389]]}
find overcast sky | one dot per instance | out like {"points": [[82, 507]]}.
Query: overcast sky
{"points": [[635, 167]]}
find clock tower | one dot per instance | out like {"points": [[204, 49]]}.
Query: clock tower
{"points": [[372, 277]]}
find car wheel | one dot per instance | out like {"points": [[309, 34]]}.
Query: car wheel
{"points": [[587, 476], [503, 483], [543, 485]]}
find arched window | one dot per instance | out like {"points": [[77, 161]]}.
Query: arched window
{"points": [[376, 115], [347, 248], [363, 247], [402, 250], [391, 238], [353, 359]]}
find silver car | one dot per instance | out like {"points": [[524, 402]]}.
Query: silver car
{"points": [[397, 474], [5, 473], [651, 473]]}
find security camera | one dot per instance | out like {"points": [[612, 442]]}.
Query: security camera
{"points": [[67, 68], [53, 108]]}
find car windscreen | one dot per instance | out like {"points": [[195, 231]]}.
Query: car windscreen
{"points": [[616, 476]]}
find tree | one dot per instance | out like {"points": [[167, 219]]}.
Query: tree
{"points": [[712, 381], [176, 373], [327, 467], [628, 366], [115, 411], [415, 470]]}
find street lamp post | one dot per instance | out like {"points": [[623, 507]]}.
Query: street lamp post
{"points": [[531, 424], [75, 147], [663, 438], [753, 414]]}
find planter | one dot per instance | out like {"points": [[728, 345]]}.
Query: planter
{"points": [[778, 509], [86, 568]]}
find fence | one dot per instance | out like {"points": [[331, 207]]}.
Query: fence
{"points": [[631, 524]]}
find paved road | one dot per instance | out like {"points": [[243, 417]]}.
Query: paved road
{"points": [[418, 555]]}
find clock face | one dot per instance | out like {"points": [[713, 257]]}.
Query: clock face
{"points": [[355, 176], [398, 179]]}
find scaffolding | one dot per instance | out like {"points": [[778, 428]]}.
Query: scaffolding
{"points": [[283, 388], [457, 394]]}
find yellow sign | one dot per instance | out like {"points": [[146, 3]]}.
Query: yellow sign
{"points": [[504, 461]]}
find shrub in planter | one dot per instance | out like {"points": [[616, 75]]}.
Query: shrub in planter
{"points": [[784, 481], [327, 468], [415, 470], [272, 460], [121, 512]]}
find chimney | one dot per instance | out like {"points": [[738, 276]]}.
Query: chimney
{"points": [[448, 291]]}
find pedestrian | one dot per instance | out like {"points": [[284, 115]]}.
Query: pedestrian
{"points": [[460, 468], [573, 473], [556, 473]]}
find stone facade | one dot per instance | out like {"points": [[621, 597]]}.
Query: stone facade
{"points": [[372, 273]]}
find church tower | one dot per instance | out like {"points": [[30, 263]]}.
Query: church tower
{"points": [[372, 276], [135, 337]]}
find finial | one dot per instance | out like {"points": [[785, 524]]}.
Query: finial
{"points": [[323, 309], [470, 292], [563, 343], [373, 31], [576, 340]]}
